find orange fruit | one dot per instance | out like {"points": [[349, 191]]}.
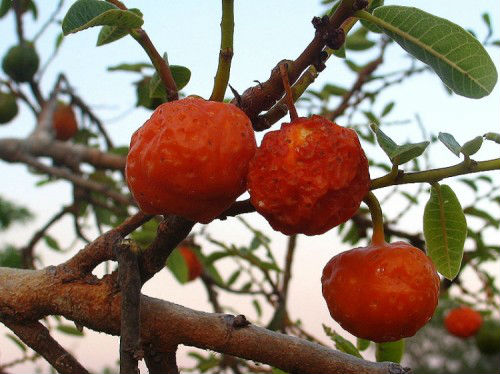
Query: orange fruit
{"points": [[193, 264], [309, 176], [64, 121], [384, 292], [463, 322], [191, 159]]}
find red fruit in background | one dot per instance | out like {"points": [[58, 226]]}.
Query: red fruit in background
{"points": [[309, 176], [383, 292], [191, 159], [193, 264], [64, 121], [463, 322]]}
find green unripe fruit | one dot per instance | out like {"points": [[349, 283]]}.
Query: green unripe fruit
{"points": [[488, 337], [8, 107], [21, 62], [390, 351], [143, 98]]}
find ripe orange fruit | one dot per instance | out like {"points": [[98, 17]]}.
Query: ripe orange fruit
{"points": [[463, 322], [384, 292], [191, 159], [64, 121], [193, 264], [309, 176]]}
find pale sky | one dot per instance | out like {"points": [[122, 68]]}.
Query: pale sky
{"points": [[266, 32]]}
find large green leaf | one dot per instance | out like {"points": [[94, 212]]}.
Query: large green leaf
{"points": [[445, 230], [456, 56], [88, 13]]}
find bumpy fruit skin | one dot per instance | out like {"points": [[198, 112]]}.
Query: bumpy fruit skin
{"points": [[64, 121], [8, 107], [193, 264], [383, 292], [21, 62], [488, 337], [463, 322], [191, 159], [309, 176]]}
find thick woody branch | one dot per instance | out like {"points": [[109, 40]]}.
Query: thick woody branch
{"points": [[37, 293], [37, 337], [130, 326], [264, 95]]}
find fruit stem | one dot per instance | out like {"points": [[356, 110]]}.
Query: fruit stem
{"points": [[226, 51], [378, 236], [288, 92]]}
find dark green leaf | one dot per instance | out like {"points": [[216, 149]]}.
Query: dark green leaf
{"points": [[408, 152], [472, 146], [216, 256], [257, 307], [121, 151], [10, 257], [487, 21], [331, 89], [69, 330], [109, 34], [88, 13], [233, 278], [373, 5], [387, 109], [456, 56], [387, 144], [51, 242], [340, 53], [371, 117], [410, 197], [357, 41], [341, 343], [449, 141], [390, 351], [445, 230], [181, 76], [5, 6], [138, 67], [470, 183]]}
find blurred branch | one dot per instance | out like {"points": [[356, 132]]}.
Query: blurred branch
{"points": [[37, 337]]}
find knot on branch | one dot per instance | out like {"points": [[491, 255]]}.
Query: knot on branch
{"points": [[332, 37], [359, 4]]}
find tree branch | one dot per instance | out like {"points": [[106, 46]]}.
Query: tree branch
{"points": [[36, 293]]}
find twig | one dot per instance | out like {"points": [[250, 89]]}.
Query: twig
{"points": [[226, 51], [27, 251], [49, 20], [161, 362], [37, 337], [130, 326]]}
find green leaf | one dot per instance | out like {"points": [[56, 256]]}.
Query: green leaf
{"points": [[493, 136], [472, 146], [398, 154], [453, 53], [373, 5], [181, 76], [331, 89], [341, 343], [470, 183], [387, 109], [479, 213], [69, 330], [445, 230], [138, 67], [109, 34], [17, 342], [449, 141], [51, 243], [340, 53], [257, 307], [177, 265], [10, 257], [233, 278], [357, 41], [5, 7], [390, 351], [362, 344], [88, 13]]}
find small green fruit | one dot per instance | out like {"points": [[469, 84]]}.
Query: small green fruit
{"points": [[143, 98], [21, 62], [488, 337], [8, 107]]}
